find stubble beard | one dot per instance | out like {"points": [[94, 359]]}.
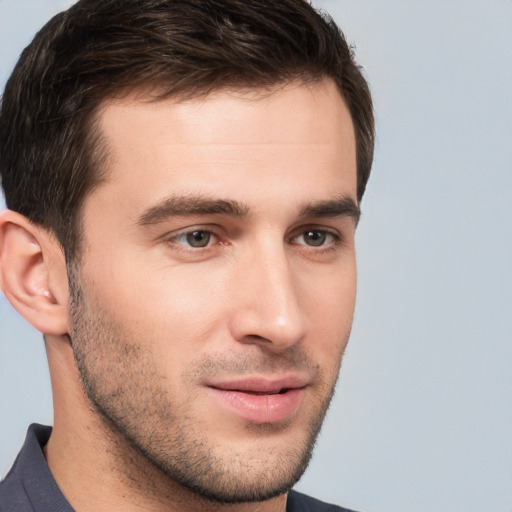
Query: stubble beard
{"points": [[133, 403]]}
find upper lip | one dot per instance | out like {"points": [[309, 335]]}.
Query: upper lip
{"points": [[260, 384]]}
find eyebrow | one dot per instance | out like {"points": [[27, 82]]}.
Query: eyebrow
{"points": [[344, 206], [181, 206]]}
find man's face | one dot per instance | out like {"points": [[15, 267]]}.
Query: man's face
{"points": [[216, 289]]}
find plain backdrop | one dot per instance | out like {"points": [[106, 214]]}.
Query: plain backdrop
{"points": [[422, 420]]}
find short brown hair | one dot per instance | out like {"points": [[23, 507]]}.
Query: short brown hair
{"points": [[50, 154]]}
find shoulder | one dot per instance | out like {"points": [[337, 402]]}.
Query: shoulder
{"points": [[298, 502]]}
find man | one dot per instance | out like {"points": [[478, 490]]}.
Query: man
{"points": [[183, 180]]}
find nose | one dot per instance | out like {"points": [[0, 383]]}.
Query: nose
{"points": [[268, 308]]}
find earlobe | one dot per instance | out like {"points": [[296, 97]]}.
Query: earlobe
{"points": [[33, 273]]}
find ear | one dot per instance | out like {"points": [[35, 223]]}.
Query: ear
{"points": [[33, 273]]}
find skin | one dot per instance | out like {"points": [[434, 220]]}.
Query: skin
{"points": [[157, 324]]}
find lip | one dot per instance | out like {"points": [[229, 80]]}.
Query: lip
{"points": [[260, 400]]}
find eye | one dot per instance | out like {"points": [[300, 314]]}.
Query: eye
{"points": [[198, 238], [315, 238]]}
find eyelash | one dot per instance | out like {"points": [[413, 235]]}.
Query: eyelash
{"points": [[175, 238], [336, 239]]}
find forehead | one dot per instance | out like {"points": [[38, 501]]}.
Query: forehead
{"points": [[228, 140], [288, 113]]}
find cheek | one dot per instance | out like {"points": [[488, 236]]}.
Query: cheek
{"points": [[331, 310], [166, 308]]}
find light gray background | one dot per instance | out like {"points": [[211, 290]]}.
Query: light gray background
{"points": [[422, 421]]}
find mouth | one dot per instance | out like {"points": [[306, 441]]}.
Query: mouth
{"points": [[263, 393], [260, 400]]}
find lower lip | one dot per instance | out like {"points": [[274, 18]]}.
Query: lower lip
{"points": [[260, 408]]}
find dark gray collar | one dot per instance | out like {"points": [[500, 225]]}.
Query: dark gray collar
{"points": [[29, 486]]}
